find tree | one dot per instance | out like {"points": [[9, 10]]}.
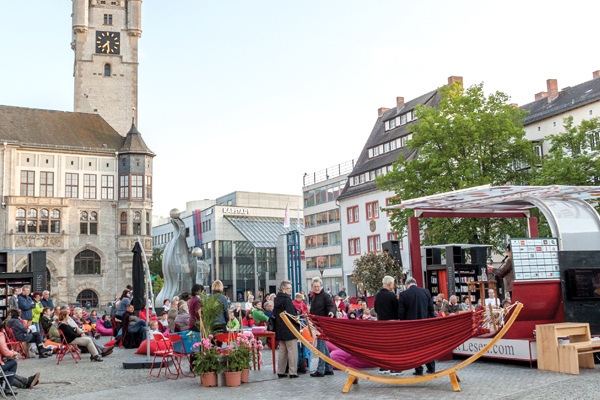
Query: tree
{"points": [[370, 268], [467, 140], [155, 263], [573, 158]]}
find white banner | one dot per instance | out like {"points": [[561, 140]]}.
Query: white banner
{"points": [[510, 349]]}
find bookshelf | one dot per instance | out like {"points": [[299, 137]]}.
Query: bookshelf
{"points": [[8, 281]]}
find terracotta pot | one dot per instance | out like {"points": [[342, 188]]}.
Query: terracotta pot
{"points": [[209, 379], [233, 378], [245, 375]]}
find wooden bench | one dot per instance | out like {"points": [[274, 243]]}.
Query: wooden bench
{"points": [[548, 358], [573, 356]]}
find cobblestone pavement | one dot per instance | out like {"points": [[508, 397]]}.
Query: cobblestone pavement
{"points": [[481, 380]]}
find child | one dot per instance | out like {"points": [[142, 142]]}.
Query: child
{"points": [[234, 323], [153, 329]]}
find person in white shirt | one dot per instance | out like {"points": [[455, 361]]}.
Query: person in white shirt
{"points": [[492, 299], [248, 305]]}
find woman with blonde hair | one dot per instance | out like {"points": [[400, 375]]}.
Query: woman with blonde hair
{"points": [[220, 323]]}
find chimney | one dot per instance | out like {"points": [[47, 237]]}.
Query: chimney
{"points": [[453, 79], [552, 87], [596, 74], [381, 110], [399, 103], [540, 95]]}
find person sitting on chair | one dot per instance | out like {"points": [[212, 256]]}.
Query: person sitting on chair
{"points": [[10, 365], [77, 336], [134, 329], [24, 334]]}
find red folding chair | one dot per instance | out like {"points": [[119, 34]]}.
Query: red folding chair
{"points": [[14, 344], [66, 347], [179, 352], [166, 357]]}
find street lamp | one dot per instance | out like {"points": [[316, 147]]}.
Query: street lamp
{"points": [[321, 270]]}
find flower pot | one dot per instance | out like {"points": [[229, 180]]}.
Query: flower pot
{"points": [[233, 378], [245, 375], [209, 379]]}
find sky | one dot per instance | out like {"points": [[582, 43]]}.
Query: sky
{"points": [[250, 95]]}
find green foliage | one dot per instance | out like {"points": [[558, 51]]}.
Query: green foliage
{"points": [[155, 263], [211, 309], [468, 140], [573, 156], [207, 358], [370, 268], [157, 284]]}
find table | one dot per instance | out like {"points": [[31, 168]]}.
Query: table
{"points": [[547, 341], [270, 336]]}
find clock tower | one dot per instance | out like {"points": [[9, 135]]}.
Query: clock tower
{"points": [[105, 40]]}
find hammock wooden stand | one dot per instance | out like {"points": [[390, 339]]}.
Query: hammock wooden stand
{"points": [[450, 372]]}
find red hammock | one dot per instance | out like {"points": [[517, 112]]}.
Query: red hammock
{"points": [[398, 345]]}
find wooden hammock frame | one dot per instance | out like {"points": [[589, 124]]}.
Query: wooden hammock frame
{"points": [[450, 372]]}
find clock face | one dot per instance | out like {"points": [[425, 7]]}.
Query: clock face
{"points": [[108, 42]]}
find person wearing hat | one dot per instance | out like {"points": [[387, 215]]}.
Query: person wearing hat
{"points": [[36, 311], [505, 271]]}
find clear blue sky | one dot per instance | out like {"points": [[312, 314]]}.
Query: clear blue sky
{"points": [[250, 95]]}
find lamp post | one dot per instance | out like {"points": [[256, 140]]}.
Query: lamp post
{"points": [[321, 270], [245, 279]]}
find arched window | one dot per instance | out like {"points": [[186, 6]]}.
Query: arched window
{"points": [[106, 69], [123, 223], [37, 221], [137, 223], [87, 263], [88, 299], [20, 216]]}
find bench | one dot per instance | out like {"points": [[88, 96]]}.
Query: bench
{"points": [[577, 355]]}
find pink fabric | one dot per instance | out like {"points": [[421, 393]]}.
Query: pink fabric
{"points": [[102, 330]]}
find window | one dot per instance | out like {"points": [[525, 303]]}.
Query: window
{"points": [[108, 20], [46, 184], [554, 124], [88, 223], [88, 298], [87, 263], [123, 221], [108, 187], [392, 236], [352, 213], [148, 230], [591, 112], [89, 186], [27, 183], [372, 210], [137, 223], [373, 243], [334, 215], [124, 187], [37, 221], [148, 187], [388, 202], [72, 185], [392, 123], [107, 70], [137, 186], [354, 246]]}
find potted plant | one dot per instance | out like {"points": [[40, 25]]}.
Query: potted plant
{"points": [[238, 355], [207, 361]]}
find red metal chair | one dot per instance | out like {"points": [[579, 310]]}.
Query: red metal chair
{"points": [[14, 344], [166, 357], [179, 352], [65, 347]]}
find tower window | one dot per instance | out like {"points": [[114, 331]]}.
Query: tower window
{"points": [[108, 19], [106, 69]]}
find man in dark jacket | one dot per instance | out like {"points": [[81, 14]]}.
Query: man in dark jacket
{"points": [[386, 303], [26, 304], [416, 303], [288, 344], [321, 304]]}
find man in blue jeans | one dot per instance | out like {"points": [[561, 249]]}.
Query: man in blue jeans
{"points": [[321, 304]]}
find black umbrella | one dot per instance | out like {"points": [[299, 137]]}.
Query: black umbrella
{"points": [[137, 271]]}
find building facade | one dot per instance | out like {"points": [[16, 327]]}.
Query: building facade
{"points": [[551, 107], [322, 221], [365, 226], [243, 239], [76, 189], [106, 34]]}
